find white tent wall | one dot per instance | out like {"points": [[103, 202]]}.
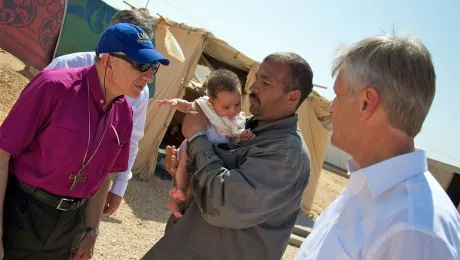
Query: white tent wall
{"points": [[315, 123]]}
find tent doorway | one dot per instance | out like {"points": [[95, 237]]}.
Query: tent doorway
{"points": [[454, 189]]}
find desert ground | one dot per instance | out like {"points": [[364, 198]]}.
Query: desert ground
{"points": [[141, 219]]}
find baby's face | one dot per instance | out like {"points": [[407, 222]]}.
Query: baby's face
{"points": [[227, 104]]}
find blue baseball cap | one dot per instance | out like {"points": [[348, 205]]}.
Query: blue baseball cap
{"points": [[131, 40]]}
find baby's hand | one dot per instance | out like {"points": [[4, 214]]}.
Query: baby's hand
{"points": [[246, 135], [180, 104], [167, 102]]}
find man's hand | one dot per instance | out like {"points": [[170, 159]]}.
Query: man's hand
{"points": [[171, 160], [85, 247], [112, 203], [194, 122]]}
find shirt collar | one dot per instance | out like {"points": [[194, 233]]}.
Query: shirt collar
{"points": [[384, 175], [284, 123], [96, 89]]}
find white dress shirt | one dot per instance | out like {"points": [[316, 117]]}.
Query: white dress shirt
{"points": [[391, 210], [139, 105]]}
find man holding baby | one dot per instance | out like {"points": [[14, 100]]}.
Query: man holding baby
{"points": [[246, 196]]}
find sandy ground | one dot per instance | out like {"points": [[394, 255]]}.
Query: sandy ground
{"points": [[141, 219]]}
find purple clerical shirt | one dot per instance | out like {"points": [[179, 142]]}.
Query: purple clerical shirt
{"points": [[46, 132]]}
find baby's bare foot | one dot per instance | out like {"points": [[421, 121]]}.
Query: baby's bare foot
{"points": [[174, 208], [172, 191], [179, 195]]}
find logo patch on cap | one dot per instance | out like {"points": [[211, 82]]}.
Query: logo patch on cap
{"points": [[142, 37]]}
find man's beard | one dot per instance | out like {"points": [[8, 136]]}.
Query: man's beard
{"points": [[253, 107]]}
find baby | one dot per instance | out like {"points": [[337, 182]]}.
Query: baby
{"points": [[222, 107]]}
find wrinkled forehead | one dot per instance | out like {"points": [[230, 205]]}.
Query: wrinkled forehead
{"points": [[273, 72]]}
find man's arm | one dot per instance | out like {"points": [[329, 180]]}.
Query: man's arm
{"points": [[19, 128], [4, 163], [96, 204], [113, 201], [410, 244], [268, 179], [93, 218]]}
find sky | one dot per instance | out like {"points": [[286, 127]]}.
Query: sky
{"points": [[315, 30]]}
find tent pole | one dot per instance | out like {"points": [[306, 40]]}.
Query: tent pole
{"points": [[319, 86]]}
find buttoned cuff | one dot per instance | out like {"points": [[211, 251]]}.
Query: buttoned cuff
{"points": [[119, 186]]}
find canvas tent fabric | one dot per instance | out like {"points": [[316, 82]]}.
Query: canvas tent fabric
{"points": [[315, 123], [201, 46], [29, 29], [171, 83]]}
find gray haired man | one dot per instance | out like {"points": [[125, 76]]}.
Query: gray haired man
{"points": [[392, 208], [139, 104]]}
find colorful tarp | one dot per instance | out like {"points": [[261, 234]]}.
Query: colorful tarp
{"points": [[36, 31], [84, 23], [30, 28]]}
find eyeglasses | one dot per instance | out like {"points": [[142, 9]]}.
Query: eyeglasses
{"points": [[142, 67]]}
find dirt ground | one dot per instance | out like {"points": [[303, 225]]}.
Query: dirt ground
{"points": [[141, 219]]}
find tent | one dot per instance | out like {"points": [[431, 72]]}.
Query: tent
{"points": [[29, 29], [37, 31]]}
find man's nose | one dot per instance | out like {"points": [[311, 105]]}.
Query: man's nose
{"points": [[253, 87]]}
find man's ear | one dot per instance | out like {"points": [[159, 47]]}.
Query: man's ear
{"points": [[106, 61], [369, 101], [293, 97]]}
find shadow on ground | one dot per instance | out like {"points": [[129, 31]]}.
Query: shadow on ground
{"points": [[148, 199]]}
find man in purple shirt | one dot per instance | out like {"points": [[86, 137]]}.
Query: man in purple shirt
{"points": [[67, 131]]}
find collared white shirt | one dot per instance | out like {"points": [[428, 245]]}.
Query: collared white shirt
{"points": [[391, 210], [139, 105]]}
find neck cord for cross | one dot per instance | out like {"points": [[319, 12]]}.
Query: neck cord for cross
{"points": [[83, 164]]}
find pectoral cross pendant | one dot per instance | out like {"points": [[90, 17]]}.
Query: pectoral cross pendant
{"points": [[77, 178]]}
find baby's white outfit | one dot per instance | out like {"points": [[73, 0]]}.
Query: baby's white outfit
{"points": [[220, 129]]}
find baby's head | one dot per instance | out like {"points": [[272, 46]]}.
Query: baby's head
{"points": [[224, 92]]}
